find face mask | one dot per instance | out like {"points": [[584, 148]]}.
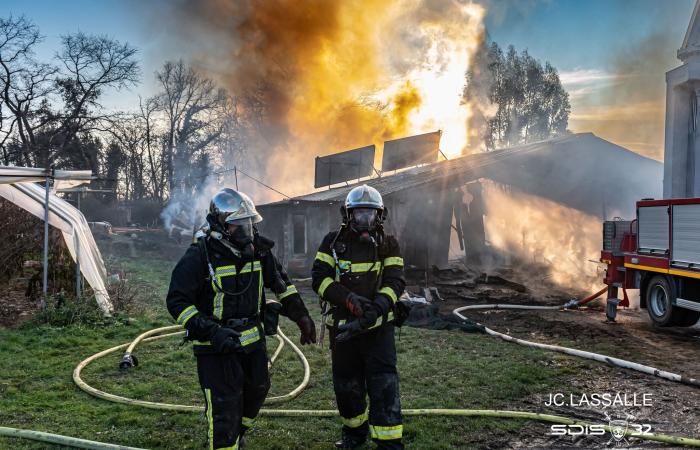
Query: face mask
{"points": [[242, 238], [364, 221]]}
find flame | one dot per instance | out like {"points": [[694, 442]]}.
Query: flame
{"points": [[339, 75]]}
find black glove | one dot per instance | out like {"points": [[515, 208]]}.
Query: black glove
{"points": [[383, 304], [356, 304], [370, 316], [308, 330], [225, 340]]}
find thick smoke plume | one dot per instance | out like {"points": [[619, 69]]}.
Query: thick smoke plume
{"points": [[317, 77]]}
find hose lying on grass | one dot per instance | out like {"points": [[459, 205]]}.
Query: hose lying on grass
{"points": [[169, 331], [572, 351]]}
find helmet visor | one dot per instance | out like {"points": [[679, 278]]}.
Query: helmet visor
{"points": [[242, 228], [365, 218]]}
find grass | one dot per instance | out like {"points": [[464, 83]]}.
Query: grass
{"points": [[438, 369]]}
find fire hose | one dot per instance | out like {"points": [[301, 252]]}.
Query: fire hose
{"points": [[156, 334]]}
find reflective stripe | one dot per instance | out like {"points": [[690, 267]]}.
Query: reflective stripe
{"points": [[210, 419], [389, 292], [326, 258], [291, 289], [366, 267], [386, 433], [356, 421], [247, 421], [249, 336], [380, 321], [219, 273], [227, 271], [393, 261], [247, 268], [324, 285], [186, 315]]}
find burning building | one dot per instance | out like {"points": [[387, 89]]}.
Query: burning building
{"points": [[430, 206]]}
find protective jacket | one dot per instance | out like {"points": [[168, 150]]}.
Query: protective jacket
{"points": [[224, 289], [348, 264]]}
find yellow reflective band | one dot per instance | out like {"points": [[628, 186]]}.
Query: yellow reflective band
{"points": [[291, 289], [210, 419], [249, 336], [186, 315], [386, 433], [389, 318], [366, 267], [247, 421], [389, 292], [326, 258], [393, 261], [255, 267], [219, 273], [324, 285], [356, 421]]}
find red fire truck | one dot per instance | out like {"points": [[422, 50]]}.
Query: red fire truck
{"points": [[659, 254]]}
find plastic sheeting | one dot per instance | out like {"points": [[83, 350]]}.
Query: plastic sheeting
{"points": [[73, 226]]}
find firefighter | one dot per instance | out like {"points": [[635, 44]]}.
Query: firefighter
{"points": [[217, 293], [358, 274]]}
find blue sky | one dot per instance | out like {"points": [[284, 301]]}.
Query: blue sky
{"points": [[593, 43]]}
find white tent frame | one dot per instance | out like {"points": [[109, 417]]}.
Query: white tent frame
{"points": [[17, 186]]}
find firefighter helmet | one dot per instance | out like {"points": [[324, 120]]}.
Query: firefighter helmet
{"points": [[230, 206], [364, 197], [364, 209]]}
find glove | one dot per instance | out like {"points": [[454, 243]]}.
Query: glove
{"points": [[370, 316], [383, 304], [308, 330], [356, 304], [225, 340]]}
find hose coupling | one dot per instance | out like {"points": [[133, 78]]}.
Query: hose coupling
{"points": [[128, 361]]}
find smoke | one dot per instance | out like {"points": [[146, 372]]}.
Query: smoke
{"points": [[546, 233], [317, 77], [626, 103]]}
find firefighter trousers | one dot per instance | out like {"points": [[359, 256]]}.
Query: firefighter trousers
{"points": [[366, 364], [235, 386]]}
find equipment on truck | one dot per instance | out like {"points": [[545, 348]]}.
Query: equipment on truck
{"points": [[659, 254]]}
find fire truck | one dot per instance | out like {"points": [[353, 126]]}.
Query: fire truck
{"points": [[659, 254]]}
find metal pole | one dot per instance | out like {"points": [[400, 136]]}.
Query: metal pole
{"points": [[78, 278], [46, 243], [235, 174]]}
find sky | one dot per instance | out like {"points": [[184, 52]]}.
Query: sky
{"points": [[612, 55]]}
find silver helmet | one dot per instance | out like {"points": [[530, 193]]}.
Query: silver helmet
{"points": [[230, 206], [364, 209], [364, 197]]}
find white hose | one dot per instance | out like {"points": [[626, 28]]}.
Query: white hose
{"points": [[572, 351]]}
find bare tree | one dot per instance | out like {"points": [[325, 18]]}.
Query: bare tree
{"points": [[90, 64], [195, 112], [24, 84]]}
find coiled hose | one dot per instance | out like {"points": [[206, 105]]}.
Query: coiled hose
{"points": [[283, 339]]}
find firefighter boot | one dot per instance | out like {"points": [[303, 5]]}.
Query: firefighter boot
{"points": [[348, 440]]}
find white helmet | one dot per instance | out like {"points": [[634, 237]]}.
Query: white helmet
{"points": [[364, 209]]}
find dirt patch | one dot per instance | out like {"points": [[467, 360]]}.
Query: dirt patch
{"points": [[674, 406]]}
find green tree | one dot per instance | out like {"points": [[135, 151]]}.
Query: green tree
{"points": [[530, 102]]}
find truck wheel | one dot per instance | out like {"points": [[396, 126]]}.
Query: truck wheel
{"points": [[660, 295]]}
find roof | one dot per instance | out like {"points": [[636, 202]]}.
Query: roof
{"points": [[579, 170]]}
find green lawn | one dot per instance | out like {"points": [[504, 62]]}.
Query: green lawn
{"points": [[438, 369]]}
